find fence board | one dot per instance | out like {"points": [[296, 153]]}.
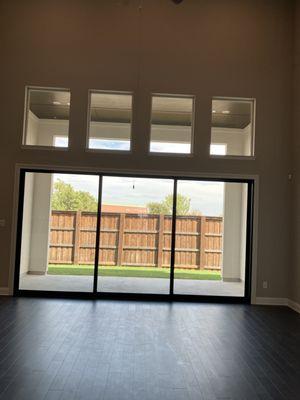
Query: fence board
{"points": [[136, 239]]}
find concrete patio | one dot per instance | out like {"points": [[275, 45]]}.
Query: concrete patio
{"points": [[71, 283]]}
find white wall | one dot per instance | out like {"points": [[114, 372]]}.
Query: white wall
{"points": [[32, 129], [234, 236], [41, 132], [238, 141], [243, 234], [26, 224], [37, 259], [49, 128]]}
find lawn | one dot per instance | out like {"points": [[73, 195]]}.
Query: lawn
{"points": [[137, 272]]}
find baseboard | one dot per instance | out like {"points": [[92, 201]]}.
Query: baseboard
{"points": [[293, 305], [278, 301], [4, 291], [271, 301]]}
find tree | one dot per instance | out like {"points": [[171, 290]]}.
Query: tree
{"points": [[166, 206], [66, 198], [158, 208]]}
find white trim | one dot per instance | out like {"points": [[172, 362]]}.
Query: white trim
{"points": [[41, 147], [293, 305], [4, 291], [217, 156], [271, 301], [166, 154], [109, 151]]}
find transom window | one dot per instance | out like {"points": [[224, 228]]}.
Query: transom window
{"points": [[232, 123], [110, 118], [46, 117], [172, 124]]}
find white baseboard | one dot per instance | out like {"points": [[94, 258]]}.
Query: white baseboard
{"points": [[277, 301], [294, 306], [271, 301], [4, 291]]}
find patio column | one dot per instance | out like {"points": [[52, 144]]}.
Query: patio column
{"points": [[234, 240], [40, 229]]}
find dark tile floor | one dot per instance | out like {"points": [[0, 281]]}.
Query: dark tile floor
{"points": [[115, 350]]}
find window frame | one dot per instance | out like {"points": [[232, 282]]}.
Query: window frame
{"points": [[192, 144], [250, 265], [252, 156], [89, 114], [26, 110]]}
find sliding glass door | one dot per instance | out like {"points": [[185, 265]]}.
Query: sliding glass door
{"points": [[58, 232], [137, 235], [211, 227]]}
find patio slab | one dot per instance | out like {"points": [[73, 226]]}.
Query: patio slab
{"points": [[70, 283]]}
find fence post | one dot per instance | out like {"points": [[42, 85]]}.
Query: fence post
{"points": [[120, 239], [77, 237], [160, 242], [202, 242]]}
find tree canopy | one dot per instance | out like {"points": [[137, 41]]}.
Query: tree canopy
{"points": [[66, 198], [166, 206]]}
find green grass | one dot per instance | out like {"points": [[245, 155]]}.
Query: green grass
{"points": [[137, 272]]}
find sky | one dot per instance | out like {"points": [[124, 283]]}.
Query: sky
{"points": [[106, 144], [62, 141], [206, 197], [158, 147]]}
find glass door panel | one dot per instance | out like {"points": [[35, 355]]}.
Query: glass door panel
{"points": [[210, 248], [135, 235], [60, 222], [58, 232]]}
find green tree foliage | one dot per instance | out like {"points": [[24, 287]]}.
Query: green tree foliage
{"points": [[66, 198], [166, 206]]}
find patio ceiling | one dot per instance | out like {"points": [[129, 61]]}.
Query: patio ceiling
{"points": [[175, 111]]}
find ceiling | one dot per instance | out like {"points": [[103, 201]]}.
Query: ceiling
{"points": [[231, 113], [46, 104], [108, 107]]}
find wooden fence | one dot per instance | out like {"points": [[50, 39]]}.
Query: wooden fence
{"points": [[136, 240]]}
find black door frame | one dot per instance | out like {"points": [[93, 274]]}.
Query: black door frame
{"points": [[95, 294]]}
